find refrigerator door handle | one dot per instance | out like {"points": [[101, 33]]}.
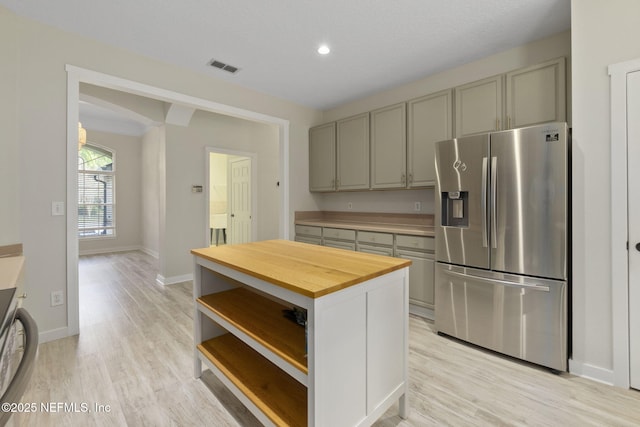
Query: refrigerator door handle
{"points": [[542, 288], [483, 196], [494, 202]]}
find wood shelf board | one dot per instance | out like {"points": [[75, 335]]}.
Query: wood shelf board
{"points": [[303, 268], [262, 319], [280, 397]]}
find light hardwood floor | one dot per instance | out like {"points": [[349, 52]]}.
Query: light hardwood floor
{"points": [[134, 353]]}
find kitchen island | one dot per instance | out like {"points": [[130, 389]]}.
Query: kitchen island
{"points": [[346, 367]]}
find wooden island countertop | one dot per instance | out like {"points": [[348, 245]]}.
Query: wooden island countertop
{"points": [[306, 269]]}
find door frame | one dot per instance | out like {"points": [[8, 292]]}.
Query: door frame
{"points": [[253, 157], [77, 75], [619, 221]]}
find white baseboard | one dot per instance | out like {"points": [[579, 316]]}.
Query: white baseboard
{"points": [[427, 313], [110, 250], [591, 372], [164, 281], [150, 252], [53, 334]]}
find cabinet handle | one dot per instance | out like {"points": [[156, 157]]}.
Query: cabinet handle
{"points": [[410, 178], [403, 179], [508, 122], [497, 123], [23, 296]]}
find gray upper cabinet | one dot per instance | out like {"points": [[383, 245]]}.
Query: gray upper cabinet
{"points": [[429, 121], [322, 158], [393, 147], [479, 106], [389, 147], [536, 94], [353, 153]]}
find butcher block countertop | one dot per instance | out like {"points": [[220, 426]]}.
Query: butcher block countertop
{"points": [[306, 269], [411, 224]]}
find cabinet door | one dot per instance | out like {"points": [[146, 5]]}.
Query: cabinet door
{"points": [[322, 158], [421, 278], [353, 153], [429, 121], [389, 147], [479, 106], [536, 94]]}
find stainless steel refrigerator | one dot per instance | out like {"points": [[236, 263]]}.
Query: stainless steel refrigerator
{"points": [[502, 241]]}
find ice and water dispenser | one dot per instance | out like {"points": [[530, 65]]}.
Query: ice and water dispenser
{"points": [[455, 208]]}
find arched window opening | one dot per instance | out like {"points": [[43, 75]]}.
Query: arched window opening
{"points": [[96, 192]]}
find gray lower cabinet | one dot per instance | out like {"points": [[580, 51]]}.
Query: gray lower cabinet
{"points": [[339, 238], [375, 243], [418, 249], [421, 277], [309, 234]]}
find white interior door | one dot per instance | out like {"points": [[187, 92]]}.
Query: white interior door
{"points": [[241, 201], [633, 159]]}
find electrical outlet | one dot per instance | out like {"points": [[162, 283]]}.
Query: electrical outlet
{"points": [[57, 298], [349, 205], [417, 206]]}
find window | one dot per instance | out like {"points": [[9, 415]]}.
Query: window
{"points": [[96, 192]]}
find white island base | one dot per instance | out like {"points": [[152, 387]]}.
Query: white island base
{"points": [[357, 313]]}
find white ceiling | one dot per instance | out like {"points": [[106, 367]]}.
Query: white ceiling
{"points": [[375, 44]]}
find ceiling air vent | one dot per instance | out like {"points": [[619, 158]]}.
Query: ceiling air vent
{"points": [[222, 66]]}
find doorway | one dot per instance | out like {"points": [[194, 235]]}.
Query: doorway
{"points": [[230, 205], [625, 222], [633, 147], [77, 75]]}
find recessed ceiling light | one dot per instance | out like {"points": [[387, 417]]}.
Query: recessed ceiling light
{"points": [[324, 49]]}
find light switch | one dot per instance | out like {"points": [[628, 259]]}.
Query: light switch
{"points": [[57, 208]]}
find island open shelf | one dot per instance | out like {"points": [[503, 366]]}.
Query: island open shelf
{"points": [[356, 336], [261, 319], [281, 398]]}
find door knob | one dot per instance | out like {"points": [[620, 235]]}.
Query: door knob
{"points": [[232, 215], [638, 246]]}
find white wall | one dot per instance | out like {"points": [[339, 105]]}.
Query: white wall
{"points": [[402, 202], [128, 158], [9, 147], [389, 201], [150, 209], [36, 104], [186, 223], [603, 33], [522, 56]]}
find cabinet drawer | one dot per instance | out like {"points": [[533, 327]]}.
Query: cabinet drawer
{"points": [[309, 230], [377, 250], [373, 237], [311, 240], [338, 233], [415, 242], [351, 246]]}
